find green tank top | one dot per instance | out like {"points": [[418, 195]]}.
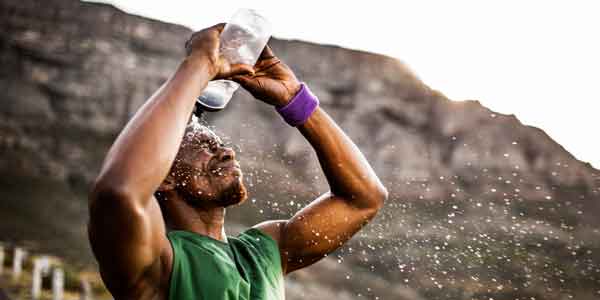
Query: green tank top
{"points": [[247, 267]]}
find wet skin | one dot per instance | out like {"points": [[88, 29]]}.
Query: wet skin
{"points": [[154, 153], [206, 171]]}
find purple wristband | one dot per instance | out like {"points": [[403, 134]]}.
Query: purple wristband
{"points": [[297, 111]]}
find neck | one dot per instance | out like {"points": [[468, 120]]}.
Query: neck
{"points": [[208, 221]]}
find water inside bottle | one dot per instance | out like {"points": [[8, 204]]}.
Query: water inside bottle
{"points": [[216, 95], [210, 100]]}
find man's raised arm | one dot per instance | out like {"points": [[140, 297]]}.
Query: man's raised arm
{"points": [[356, 193], [126, 229]]}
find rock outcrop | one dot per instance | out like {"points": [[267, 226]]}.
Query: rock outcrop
{"points": [[481, 206]]}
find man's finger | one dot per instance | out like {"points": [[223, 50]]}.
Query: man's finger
{"points": [[219, 27], [265, 65], [239, 69], [241, 79], [247, 82], [267, 53]]}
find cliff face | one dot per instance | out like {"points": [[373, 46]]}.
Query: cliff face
{"points": [[481, 206]]}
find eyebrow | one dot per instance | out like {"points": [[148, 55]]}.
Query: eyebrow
{"points": [[206, 139]]}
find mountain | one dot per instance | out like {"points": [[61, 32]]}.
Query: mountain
{"points": [[481, 206]]}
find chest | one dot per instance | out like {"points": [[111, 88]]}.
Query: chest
{"points": [[210, 274], [240, 270]]}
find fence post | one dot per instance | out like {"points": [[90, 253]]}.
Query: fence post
{"points": [[1, 259], [58, 282], [41, 265], [86, 290], [19, 256]]}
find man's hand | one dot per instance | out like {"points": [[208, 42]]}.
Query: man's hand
{"points": [[273, 81], [204, 45]]}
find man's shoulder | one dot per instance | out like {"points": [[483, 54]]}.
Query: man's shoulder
{"points": [[261, 244], [271, 229]]}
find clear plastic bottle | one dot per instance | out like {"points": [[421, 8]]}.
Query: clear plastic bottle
{"points": [[242, 41]]}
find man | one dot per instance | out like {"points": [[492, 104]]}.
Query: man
{"points": [[195, 178]]}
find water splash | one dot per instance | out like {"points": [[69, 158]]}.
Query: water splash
{"points": [[197, 121]]}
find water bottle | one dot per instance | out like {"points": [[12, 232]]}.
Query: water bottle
{"points": [[242, 41]]}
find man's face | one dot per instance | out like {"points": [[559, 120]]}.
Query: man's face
{"points": [[207, 171]]}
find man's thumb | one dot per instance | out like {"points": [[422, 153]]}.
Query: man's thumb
{"points": [[247, 82], [244, 80], [240, 69]]}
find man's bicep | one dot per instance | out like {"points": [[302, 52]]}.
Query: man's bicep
{"points": [[318, 229], [126, 240]]}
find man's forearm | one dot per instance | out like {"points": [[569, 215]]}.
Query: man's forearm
{"points": [[346, 169], [141, 156]]}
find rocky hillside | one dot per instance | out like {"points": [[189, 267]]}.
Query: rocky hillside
{"points": [[481, 206]]}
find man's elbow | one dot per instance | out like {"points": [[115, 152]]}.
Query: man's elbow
{"points": [[380, 196], [373, 198]]}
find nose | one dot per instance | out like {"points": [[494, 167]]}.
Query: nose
{"points": [[226, 154]]}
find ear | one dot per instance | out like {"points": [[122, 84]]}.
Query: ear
{"points": [[168, 184]]}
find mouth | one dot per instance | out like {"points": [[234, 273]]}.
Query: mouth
{"points": [[226, 166]]}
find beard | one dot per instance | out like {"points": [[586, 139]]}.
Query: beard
{"points": [[223, 194], [234, 193]]}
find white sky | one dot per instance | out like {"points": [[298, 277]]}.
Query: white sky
{"points": [[539, 60]]}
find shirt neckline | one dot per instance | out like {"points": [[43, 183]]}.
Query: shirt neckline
{"points": [[206, 237]]}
